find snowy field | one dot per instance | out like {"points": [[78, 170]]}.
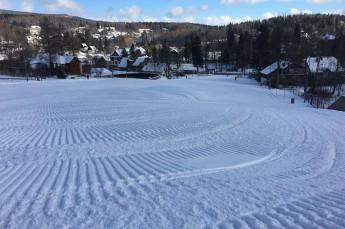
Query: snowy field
{"points": [[206, 152]]}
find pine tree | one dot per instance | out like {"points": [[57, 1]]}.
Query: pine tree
{"points": [[296, 49], [164, 53], [231, 46], [197, 52], [124, 53], [50, 40], [340, 48], [261, 48], [276, 44], [243, 51], [187, 51], [154, 55], [132, 51]]}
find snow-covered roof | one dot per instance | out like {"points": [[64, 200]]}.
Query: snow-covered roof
{"points": [[187, 67], [82, 56], [35, 30], [174, 49], [328, 37], [58, 59], [117, 52], [40, 59], [93, 48], [100, 72], [142, 50], [139, 61], [320, 64], [123, 63], [3, 57], [145, 30], [273, 67], [211, 66], [154, 67]]}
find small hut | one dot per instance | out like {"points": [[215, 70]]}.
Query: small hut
{"points": [[338, 105]]}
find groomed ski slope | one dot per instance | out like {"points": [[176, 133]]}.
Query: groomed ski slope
{"points": [[207, 152]]}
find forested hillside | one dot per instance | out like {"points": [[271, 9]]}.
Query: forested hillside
{"points": [[248, 44]]}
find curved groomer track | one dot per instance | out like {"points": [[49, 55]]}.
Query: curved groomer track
{"points": [[207, 152]]}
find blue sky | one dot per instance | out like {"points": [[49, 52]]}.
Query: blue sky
{"points": [[213, 12]]}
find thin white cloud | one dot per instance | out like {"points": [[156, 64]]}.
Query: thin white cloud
{"points": [[167, 19], [186, 12], [149, 19], [320, 1], [54, 5], [132, 13], [307, 11], [294, 11], [4, 4], [228, 2], [26, 5], [176, 11], [224, 20], [190, 19], [204, 7], [269, 15]]}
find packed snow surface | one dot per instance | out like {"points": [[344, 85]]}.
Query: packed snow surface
{"points": [[205, 152]]}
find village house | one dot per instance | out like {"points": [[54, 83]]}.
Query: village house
{"points": [[184, 69], [338, 105], [272, 73], [154, 68], [322, 70], [69, 65], [175, 55], [139, 63], [283, 73], [118, 54], [322, 64], [99, 61], [65, 64]]}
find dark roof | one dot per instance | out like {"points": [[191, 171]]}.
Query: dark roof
{"points": [[339, 105]]}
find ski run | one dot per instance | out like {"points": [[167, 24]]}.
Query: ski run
{"points": [[204, 152]]}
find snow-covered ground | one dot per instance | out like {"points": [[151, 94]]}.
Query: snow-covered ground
{"points": [[205, 152]]}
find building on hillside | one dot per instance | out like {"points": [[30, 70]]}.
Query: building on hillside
{"points": [[73, 66], [88, 51], [125, 63], [40, 61], [283, 74], [70, 65], [175, 57], [39, 65], [322, 64], [323, 71], [34, 35], [140, 51], [120, 53], [328, 37]]}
